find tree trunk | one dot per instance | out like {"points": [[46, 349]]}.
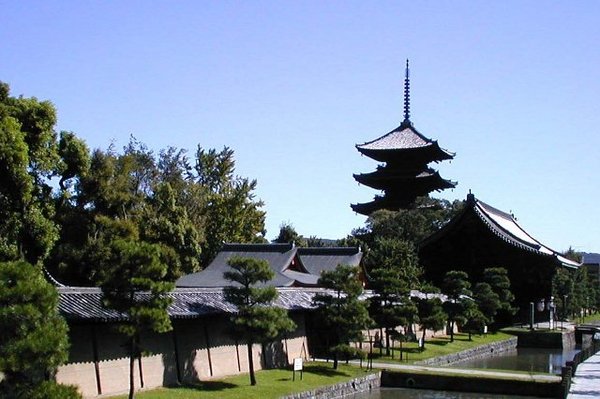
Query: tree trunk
{"points": [[131, 369], [423, 337], [251, 364], [452, 331], [335, 360]]}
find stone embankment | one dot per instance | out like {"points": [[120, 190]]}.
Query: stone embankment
{"points": [[474, 353], [341, 390]]}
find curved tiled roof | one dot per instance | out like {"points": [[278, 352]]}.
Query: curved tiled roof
{"points": [[85, 303], [404, 137], [316, 260], [292, 265], [504, 226], [279, 257]]}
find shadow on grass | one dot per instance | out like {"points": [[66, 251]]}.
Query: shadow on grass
{"points": [[208, 386], [327, 371]]}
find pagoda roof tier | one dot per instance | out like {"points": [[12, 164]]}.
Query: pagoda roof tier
{"points": [[389, 179], [404, 145], [389, 202]]}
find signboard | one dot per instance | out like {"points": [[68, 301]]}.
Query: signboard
{"points": [[298, 364], [297, 367]]}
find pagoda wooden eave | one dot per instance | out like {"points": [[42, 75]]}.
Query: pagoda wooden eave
{"points": [[386, 179], [404, 144]]}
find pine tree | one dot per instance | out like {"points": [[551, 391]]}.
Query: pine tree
{"points": [[134, 284], [255, 319], [344, 314], [455, 286]]}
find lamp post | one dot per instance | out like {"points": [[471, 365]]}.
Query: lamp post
{"points": [[564, 311], [551, 308], [540, 308]]}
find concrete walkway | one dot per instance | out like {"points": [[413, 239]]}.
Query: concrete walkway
{"points": [[470, 372], [586, 382]]}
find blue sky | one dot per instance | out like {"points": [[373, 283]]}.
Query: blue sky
{"points": [[512, 87]]}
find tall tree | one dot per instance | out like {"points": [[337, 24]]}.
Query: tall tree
{"points": [[133, 282], [232, 212], [29, 158], [255, 319], [342, 311], [288, 234], [430, 311], [412, 225], [33, 337], [488, 302], [563, 289], [497, 278], [455, 286], [394, 272]]}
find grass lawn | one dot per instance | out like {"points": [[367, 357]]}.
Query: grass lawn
{"points": [[270, 384], [438, 346]]}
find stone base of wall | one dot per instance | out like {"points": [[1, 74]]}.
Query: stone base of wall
{"points": [[475, 353], [341, 390]]}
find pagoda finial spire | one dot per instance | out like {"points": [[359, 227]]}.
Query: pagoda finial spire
{"points": [[406, 95]]}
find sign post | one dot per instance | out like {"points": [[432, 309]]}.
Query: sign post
{"points": [[297, 367]]}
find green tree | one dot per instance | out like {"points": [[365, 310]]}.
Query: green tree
{"points": [[473, 319], [563, 288], [394, 272], [232, 213], [430, 311], [29, 158], [342, 312], [582, 291], [255, 320], [488, 302], [455, 286], [497, 278], [288, 234], [412, 225], [33, 337], [133, 282]]}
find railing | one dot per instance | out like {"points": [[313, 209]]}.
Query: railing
{"points": [[568, 371]]}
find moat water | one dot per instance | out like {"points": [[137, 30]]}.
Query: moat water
{"points": [[524, 359]]}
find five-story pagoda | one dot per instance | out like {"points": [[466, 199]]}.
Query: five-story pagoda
{"points": [[405, 174]]}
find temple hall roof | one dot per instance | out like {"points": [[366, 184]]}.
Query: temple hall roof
{"points": [[504, 226], [292, 266]]}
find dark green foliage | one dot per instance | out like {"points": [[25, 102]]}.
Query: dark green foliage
{"points": [[342, 312], [133, 282], [29, 158], [487, 301], [563, 289], [255, 320], [497, 278], [33, 337], [52, 390], [232, 213], [412, 225], [473, 320], [455, 286], [430, 312], [394, 272], [288, 234]]}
